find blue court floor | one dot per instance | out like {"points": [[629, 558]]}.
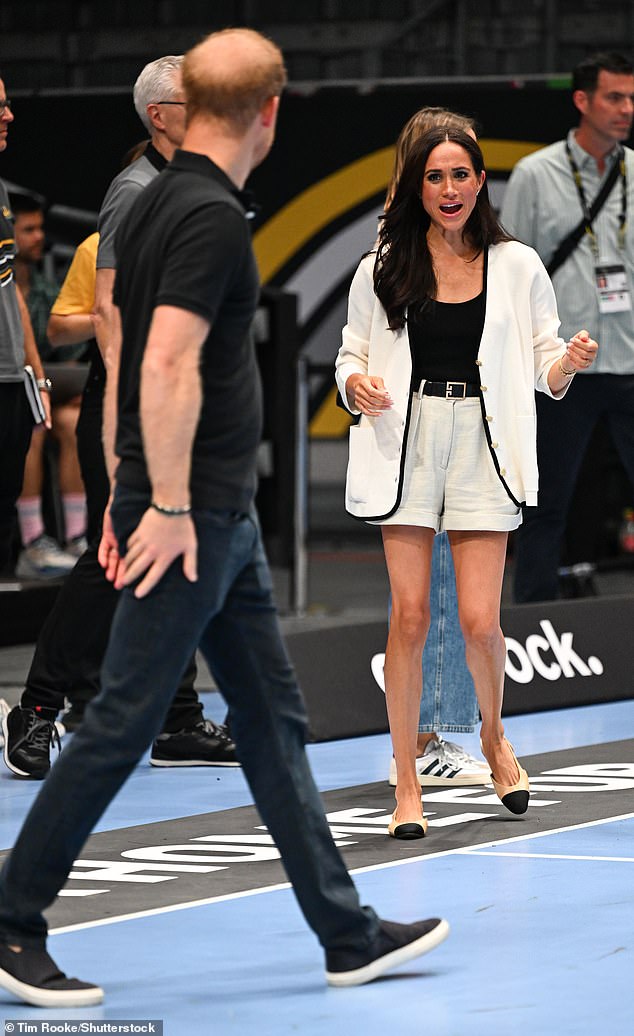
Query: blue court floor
{"points": [[542, 939]]}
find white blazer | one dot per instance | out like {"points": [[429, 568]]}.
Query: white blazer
{"points": [[518, 346]]}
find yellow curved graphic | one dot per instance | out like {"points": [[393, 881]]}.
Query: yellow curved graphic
{"points": [[281, 237], [321, 203]]}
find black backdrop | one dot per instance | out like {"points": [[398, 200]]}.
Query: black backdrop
{"points": [[68, 147]]}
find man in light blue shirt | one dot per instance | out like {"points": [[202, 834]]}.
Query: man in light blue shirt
{"points": [[551, 192]]}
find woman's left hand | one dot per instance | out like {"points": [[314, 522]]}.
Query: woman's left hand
{"points": [[581, 351]]}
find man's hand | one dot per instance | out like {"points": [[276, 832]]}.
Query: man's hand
{"points": [[46, 402], [108, 554], [155, 543]]}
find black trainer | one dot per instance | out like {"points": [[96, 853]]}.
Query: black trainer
{"points": [[395, 944], [206, 744], [33, 977], [28, 736]]}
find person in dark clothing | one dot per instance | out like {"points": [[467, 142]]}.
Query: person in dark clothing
{"points": [[188, 550]]}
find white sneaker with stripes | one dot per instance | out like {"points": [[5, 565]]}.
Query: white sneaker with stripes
{"points": [[446, 764]]}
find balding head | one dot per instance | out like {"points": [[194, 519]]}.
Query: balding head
{"points": [[231, 75]]}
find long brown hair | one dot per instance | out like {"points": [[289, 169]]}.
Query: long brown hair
{"points": [[403, 269]]}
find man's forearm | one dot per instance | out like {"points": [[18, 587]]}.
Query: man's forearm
{"points": [[31, 354], [170, 410], [109, 425], [107, 328], [69, 329], [170, 402]]}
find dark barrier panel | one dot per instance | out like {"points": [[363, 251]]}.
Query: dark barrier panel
{"points": [[559, 654], [277, 347], [23, 610], [319, 131], [334, 671]]}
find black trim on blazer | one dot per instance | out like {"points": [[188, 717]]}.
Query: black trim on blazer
{"points": [[487, 432], [399, 490]]}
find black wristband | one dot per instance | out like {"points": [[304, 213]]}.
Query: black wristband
{"points": [[171, 512]]}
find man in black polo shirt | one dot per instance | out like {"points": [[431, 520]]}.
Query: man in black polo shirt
{"points": [[194, 570]]}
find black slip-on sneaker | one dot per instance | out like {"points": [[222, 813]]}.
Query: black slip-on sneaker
{"points": [[395, 944], [33, 977]]}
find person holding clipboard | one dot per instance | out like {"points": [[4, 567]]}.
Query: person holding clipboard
{"points": [[17, 349]]}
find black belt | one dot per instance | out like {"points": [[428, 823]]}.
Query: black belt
{"points": [[451, 389]]}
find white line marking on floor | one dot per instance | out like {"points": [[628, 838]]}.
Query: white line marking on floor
{"points": [[554, 856], [462, 850]]}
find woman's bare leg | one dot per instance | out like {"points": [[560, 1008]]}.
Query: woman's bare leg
{"points": [[408, 556], [479, 559]]}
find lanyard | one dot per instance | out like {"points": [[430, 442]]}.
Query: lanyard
{"points": [[584, 205]]}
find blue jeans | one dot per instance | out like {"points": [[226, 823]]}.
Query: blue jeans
{"points": [[230, 613], [448, 701]]}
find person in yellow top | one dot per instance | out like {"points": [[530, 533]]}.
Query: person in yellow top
{"points": [[70, 320]]}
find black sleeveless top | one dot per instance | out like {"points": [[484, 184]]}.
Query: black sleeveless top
{"points": [[444, 338]]}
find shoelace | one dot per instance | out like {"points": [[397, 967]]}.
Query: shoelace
{"points": [[217, 731], [455, 753], [42, 733]]}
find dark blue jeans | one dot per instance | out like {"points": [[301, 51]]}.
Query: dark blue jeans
{"points": [[230, 613]]}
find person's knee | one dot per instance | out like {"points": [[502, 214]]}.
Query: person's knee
{"points": [[36, 447], [482, 633], [65, 422], [410, 620]]}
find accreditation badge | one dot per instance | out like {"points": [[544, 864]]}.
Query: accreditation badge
{"points": [[613, 289]]}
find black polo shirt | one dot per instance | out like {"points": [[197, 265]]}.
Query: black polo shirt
{"points": [[186, 243]]}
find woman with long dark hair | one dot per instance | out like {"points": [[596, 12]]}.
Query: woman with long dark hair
{"points": [[451, 327], [448, 702]]}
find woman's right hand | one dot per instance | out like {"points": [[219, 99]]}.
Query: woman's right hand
{"points": [[367, 393]]}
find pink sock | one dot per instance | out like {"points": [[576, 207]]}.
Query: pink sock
{"points": [[30, 518], [74, 505]]}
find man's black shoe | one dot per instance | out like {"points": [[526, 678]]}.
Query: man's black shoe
{"points": [[27, 742], [395, 944], [33, 977], [206, 744]]}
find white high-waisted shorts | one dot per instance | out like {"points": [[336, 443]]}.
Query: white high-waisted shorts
{"points": [[450, 481]]}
